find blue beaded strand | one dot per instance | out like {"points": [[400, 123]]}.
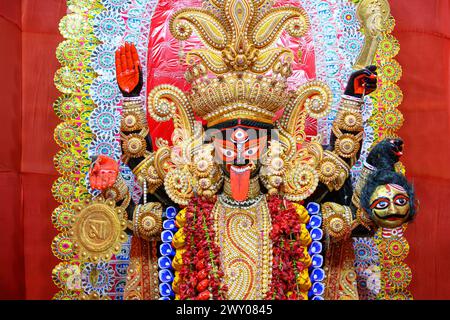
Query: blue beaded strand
{"points": [[166, 272], [316, 272]]}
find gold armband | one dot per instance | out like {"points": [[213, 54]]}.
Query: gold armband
{"points": [[133, 121], [147, 221], [349, 120], [146, 171], [132, 104]]}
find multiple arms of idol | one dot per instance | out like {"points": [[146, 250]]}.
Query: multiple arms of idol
{"points": [[137, 152], [339, 200]]}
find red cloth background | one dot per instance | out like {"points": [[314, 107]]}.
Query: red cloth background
{"points": [[29, 36]]}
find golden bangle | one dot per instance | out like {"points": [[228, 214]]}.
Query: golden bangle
{"points": [[118, 191]]}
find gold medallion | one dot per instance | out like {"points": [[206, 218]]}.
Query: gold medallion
{"points": [[98, 229]]}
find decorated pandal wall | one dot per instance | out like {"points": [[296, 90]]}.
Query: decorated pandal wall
{"points": [[230, 149]]}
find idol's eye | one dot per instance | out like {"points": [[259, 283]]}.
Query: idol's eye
{"points": [[251, 152], [382, 204], [401, 200], [228, 153]]}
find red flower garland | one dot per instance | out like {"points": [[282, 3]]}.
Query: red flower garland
{"points": [[287, 250], [201, 274]]}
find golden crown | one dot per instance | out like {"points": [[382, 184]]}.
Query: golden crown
{"points": [[238, 36], [240, 72]]}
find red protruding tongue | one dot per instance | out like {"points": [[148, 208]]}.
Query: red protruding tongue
{"points": [[240, 182]]}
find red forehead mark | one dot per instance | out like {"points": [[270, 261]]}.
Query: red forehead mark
{"points": [[397, 187]]}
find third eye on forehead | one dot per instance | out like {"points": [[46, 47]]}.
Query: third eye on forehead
{"points": [[241, 135]]}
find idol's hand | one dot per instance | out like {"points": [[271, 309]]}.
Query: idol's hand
{"points": [[362, 82], [103, 173], [128, 71]]}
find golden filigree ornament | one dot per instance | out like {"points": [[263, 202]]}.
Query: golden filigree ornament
{"points": [[238, 34], [203, 162], [238, 38], [98, 229], [333, 171], [347, 145], [118, 191], [134, 145], [297, 27], [273, 167], [147, 220], [178, 184], [316, 107], [300, 182], [312, 98], [328, 170], [349, 121], [336, 220], [132, 121], [235, 95]]}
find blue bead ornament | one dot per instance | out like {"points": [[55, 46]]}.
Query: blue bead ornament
{"points": [[166, 236], [169, 224], [171, 212], [316, 234], [165, 275], [166, 249], [315, 247], [165, 289]]}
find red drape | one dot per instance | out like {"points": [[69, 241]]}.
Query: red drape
{"points": [[423, 30], [29, 36]]}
